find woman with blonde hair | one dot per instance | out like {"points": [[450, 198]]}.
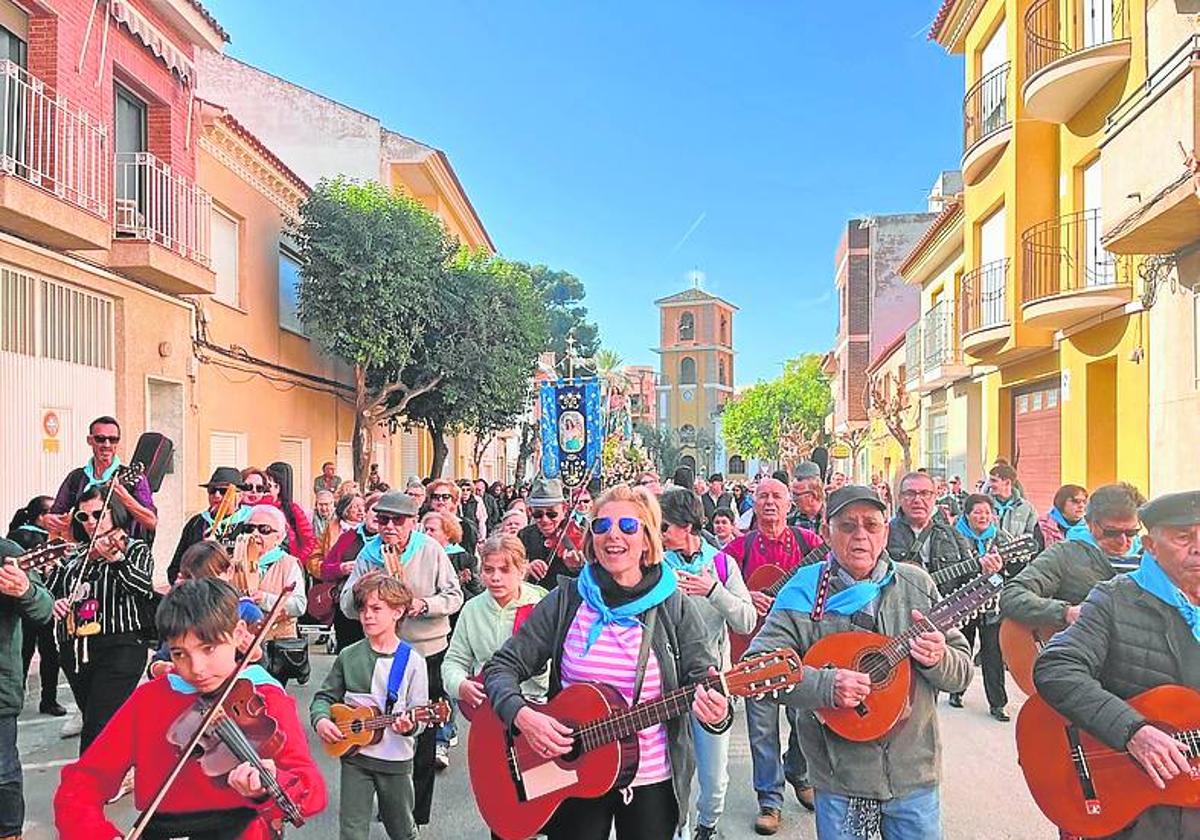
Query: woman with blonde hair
{"points": [[590, 629]]}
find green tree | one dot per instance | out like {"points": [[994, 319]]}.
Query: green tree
{"points": [[492, 325], [372, 265], [795, 402], [563, 294], [661, 445]]}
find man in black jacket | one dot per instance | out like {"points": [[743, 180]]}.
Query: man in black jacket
{"points": [[715, 497]]}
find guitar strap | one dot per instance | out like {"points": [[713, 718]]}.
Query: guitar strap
{"points": [[822, 595], [644, 652], [396, 676]]}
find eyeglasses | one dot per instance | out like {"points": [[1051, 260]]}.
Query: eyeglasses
{"points": [[254, 488], [441, 497], [82, 516], [1081, 500], [627, 524], [1113, 533], [390, 518], [106, 438], [260, 529], [547, 514], [917, 494], [850, 527]]}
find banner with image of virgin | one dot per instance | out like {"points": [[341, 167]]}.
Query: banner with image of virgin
{"points": [[572, 431]]}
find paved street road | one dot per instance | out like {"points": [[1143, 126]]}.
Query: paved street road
{"points": [[984, 796]]}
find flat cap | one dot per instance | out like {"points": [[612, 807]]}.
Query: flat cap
{"points": [[398, 503], [1174, 509], [806, 469], [851, 494]]}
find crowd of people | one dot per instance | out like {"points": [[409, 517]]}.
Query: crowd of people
{"points": [[505, 596]]}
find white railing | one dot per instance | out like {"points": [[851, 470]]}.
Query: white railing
{"points": [[154, 203], [50, 143], [941, 345]]}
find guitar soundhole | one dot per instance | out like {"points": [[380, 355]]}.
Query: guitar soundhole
{"points": [[874, 663], [356, 727]]}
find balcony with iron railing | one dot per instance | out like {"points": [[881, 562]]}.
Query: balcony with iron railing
{"points": [[161, 223], [1073, 48], [987, 124], [1067, 275], [54, 165], [942, 361], [912, 357], [983, 309]]}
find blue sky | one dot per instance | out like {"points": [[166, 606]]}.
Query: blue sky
{"points": [[631, 143]]}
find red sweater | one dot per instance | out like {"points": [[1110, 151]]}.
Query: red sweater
{"points": [[135, 737]]}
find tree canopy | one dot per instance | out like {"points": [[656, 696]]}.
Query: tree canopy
{"points": [[794, 402], [563, 294]]}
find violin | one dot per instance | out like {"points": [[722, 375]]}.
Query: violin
{"points": [[243, 732], [567, 541]]}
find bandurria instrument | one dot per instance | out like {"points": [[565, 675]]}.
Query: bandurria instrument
{"points": [[516, 804], [1018, 550], [365, 725], [234, 705], [770, 580], [886, 661], [1091, 790]]}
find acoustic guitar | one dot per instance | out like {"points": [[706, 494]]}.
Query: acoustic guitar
{"points": [[1091, 790], [770, 580], [886, 661], [365, 725], [517, 790], [1020, 645], [39, 559]]}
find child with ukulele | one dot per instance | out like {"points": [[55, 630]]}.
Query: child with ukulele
{"points": [[379, 671]]}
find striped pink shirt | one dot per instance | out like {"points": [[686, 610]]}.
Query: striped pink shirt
{"points": [[613, 660]]}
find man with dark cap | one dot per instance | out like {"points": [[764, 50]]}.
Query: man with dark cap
{"points": [[715, 497], [21, 596], [1135, 632], [547, 548], [197, 528], [887, 786]]}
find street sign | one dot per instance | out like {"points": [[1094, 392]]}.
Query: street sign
{"points": [[839, 450]]}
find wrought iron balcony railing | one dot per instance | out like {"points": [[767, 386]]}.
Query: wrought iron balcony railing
{"points": [[984, 301], [157, 204], [985, 107], [1055, 29], [1065, 255]]}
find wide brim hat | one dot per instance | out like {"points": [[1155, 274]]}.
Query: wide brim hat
{"points": [[546, 492], [223, 477], [397, 503]]}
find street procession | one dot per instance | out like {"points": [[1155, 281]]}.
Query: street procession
{"points": [[382, 459]]}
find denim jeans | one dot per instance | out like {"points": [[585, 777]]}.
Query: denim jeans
{"points": [[449, 730], [712, 773], [12, 796], [770, 773], [917, 816]]}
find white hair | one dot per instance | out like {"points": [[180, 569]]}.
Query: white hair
{"points": [[273, 513]]}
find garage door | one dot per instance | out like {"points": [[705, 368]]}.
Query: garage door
{"points": [[1036, 441]]}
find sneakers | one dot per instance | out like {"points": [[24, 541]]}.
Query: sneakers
{"points": [[73, 725], [767, 821], [441, 756], [705, 832]]}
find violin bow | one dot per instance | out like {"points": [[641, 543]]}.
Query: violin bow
{"points": [[209, 717], [574, 500]]}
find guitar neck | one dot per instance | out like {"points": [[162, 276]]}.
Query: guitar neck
{"points": [[420, 714], [622, 725], [952, 611], [1009, 552], [815, 556], [955, 571]]}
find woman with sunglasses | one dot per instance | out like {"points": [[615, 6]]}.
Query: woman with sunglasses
{"points": [[30, 529], [104, 602], [276, 570], [590, 630]]}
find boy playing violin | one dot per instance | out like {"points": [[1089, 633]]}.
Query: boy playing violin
{"points": [[380, 671], [199, 621]]}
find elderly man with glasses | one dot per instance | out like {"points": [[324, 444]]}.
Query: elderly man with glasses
{"points": [[549, 552], [200, 526]]}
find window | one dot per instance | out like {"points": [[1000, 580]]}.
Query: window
{"points": [[737, 465], [687, 434], [724, 330], [130, 139], [227, 449], [225, 256], [937, 443], [297, 452], [687, 371], [289, 292], [344, 460], [687, 327], [722, 376]]}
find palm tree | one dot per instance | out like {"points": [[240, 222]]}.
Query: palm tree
{"points": [[608, 364]]}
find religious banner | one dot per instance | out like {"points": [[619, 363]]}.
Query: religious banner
{"points": [[572, 431]]}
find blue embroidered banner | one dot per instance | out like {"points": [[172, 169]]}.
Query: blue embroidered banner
{"points": [[572, 430]]}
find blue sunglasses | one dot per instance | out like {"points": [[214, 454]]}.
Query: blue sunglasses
{"points": [[627, 524]]}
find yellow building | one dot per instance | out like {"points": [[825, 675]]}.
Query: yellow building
{"points": [[1052, 318]]}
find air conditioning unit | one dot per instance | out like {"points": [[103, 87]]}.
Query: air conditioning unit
{"points": [[129, 218]]}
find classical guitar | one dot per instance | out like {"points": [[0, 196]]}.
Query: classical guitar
{"points": [[886, 661], [770, 580], [365, 725], [1020, 645], [517, 790], [1091, 790], [48, 555]]}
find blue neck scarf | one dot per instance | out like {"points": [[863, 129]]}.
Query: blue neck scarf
{"points": [[699, 560], [1057, 516], [231, 521], [255, 673], [269, 559], [800, 593], [1005, 505], [1080, 532], [980, 540], [1150, 577], [626, 614], [89, 470], [372, 548]]}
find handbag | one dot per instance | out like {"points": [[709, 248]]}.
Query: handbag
{"points": [[323, 600], [287, 659]]}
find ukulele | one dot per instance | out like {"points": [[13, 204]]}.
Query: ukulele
{"points": [[886, 661], [770, 580], [365, 725], [1091, 790], [517, 790]]}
